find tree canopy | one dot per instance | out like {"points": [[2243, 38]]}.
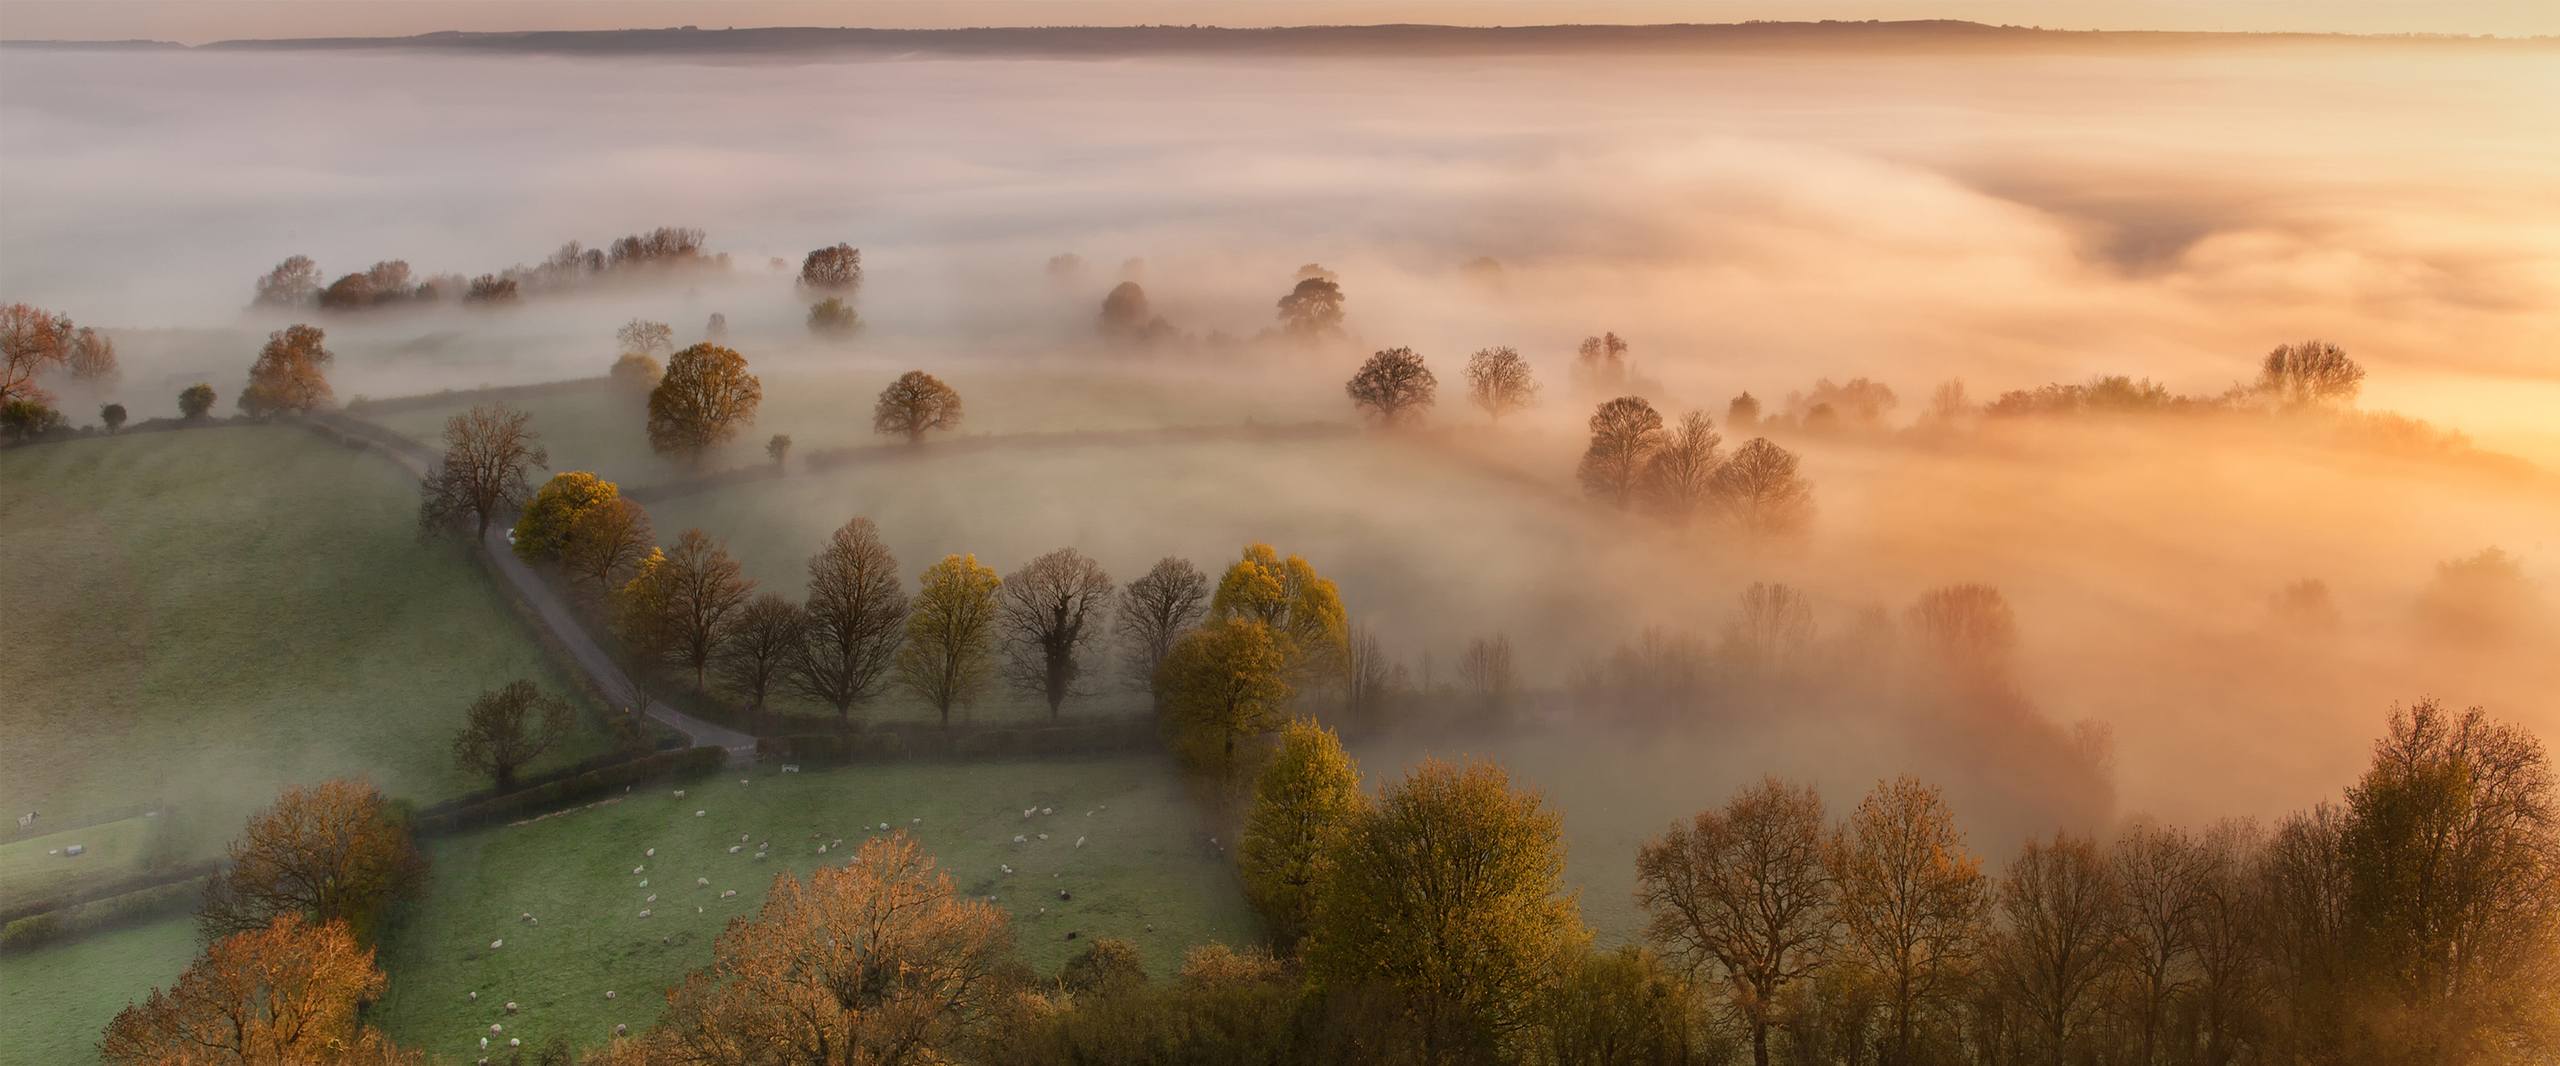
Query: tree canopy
{"points": [[704, 400], [290, 375], [914, 405], [951, 630], [1393, 386]]}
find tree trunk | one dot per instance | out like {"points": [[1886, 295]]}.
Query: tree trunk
{"points": [[1759, 1042]]}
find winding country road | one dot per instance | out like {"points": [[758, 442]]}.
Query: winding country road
{"points": [[554, 612]]}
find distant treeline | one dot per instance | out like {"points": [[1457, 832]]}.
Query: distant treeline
{"points": [[295, 282]]}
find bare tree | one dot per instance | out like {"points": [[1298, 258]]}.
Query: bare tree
{"points": [[763, 643], [640, 337], [607, 539], [1760, 490], [487, 451], [1772, 626], [1499, 381], [2161, 869], [1969, 628], [778, 449], [2311, 373], [1600, 364], [1624, 433], [1487, 674], [1155, 611], [914, 405], [2057, 943], [857, 618], [1368, 678], [1679, 478], [1744, 892], [706, 589], [506, 729], [1048, 614], [1393, 385]]}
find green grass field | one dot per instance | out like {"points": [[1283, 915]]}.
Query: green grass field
{"points": [[56, 1000], [604, 429], [199, 618], [1145, 873]]}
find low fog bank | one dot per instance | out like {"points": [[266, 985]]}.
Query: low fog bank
{"points": [[1750, 224]]}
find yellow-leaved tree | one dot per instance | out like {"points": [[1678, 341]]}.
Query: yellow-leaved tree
{"points": [[951, 628], [1304, 799], [284, 992], [1223, 685], [542, 531], [1302, 608]]}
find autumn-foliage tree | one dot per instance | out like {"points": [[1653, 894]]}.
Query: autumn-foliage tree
{"points": [[1759, 489], [1393, 386], [288, 991], [1912, 906], [1155, 611], [1624, 434], [1224, 684], [35, 342], [1049, 614], [635, 372], [606, 540], [1303, 608], [833, 318], [857, 617], [1446, 899], [1304, 799], [542, 531], [914, 405], [290, 375], [951, 630], [508, 728], [334, 851], [705, 399], [1742, 894], [1500, 382], [764, 644], [879, 961], [835, 269], [487, 451]]}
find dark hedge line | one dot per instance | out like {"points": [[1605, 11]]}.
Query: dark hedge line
{"points": [[101, 914], [561, 792], [894, 743]]}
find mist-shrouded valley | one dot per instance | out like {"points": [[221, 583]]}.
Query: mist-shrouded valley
{"points": [[1874, 549]]}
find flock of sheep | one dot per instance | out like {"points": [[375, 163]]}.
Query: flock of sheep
{"points": [[763, 849]]}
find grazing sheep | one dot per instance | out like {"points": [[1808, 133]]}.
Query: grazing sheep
{"points": [[1063, 896], [619, 1029], [635, 871], [726, 893], [475, 996], [511, 1006], [1018, 838], [525, 917], [702, 882], [742, 780], [679, 793], [644, 882], [484, 1046], [496, 1028], [1044, 836], [735, 848], [644, 912], [884, 827], [649, 854], [699, 813], [742, 837], [1079, 842], [498, 943], [1006, 867], [1026, 813], [915, 821], [515, 1041], [1048, 811], [653, 898], [609, 993]]}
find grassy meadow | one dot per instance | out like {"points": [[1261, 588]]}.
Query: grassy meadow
{"points": [[200, 618], [1145, 873], [56, 1000]]}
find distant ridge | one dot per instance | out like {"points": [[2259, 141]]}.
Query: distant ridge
{"points": [[811, 42]]}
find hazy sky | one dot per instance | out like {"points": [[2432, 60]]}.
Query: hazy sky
{"points": [[202, 20]]}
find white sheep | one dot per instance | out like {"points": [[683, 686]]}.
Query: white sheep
{"points": [[498, 943], [1006, 867], [1044, 836], [1018, 838], [644, 882], [699, 813], [484, 1043], [515, 1041], [726, 893], [475, 996], [884, 827], [735, 848], [742, 837], [649, 854], [702, 882], [1045, 811], [679, 793], [496, 1028], [1026, 812], [644, 912], [653, 898], [1079, 842], [620, 1028], [635, 871], [609, 993], [511, 1006], [915, 821]]}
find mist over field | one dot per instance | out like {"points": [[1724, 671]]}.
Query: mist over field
{"points": [[1749, 222]]}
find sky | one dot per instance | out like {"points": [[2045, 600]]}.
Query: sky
{"points": [[197, 21]]}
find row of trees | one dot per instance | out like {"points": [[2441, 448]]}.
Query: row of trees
{"points": [[295, 283], [37, 344], [1633, 460]]}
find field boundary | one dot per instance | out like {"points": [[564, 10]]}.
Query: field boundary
{"points": [[418, 400]]}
